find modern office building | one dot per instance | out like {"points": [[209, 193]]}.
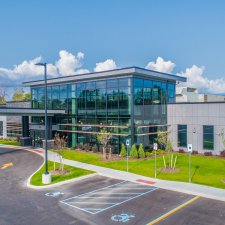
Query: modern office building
{"points": [[131, 103]]}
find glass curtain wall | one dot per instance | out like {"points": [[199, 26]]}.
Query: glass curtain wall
{"points": [[92, 105]]}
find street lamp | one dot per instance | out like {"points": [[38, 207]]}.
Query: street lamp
{"points": [[46, 177]]}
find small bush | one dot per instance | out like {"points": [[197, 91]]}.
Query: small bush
{"points": [[159, 151], [79, 146], [222, 153], [194, 152], [147, 154], [141, 152], [123, 152], [181, 150], [134, 152], [207, 153]]}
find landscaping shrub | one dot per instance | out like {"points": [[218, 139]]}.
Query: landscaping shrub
{"points": [[194, 152], [79, 146], [123, 151], [159, 151], [222, 153], [181, 150], [147, 154], [141, 152], [134, 152], [207, 153]]}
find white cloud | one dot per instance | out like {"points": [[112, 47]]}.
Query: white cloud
{"points": [[108, 64], [67, 64], [161, 65], [195, 78]]}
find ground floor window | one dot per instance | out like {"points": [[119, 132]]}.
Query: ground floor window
{"points": [[1, 128], [182, 136], [208, 137]]}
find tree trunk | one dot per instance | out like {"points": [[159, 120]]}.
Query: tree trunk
{"points": [[103, 153]]}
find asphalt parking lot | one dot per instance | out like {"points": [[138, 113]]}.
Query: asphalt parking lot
{"points": [[95, 201]]}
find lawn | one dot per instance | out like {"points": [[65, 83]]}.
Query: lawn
{"points": [[204, 170], [9, 142], [74, 173]]}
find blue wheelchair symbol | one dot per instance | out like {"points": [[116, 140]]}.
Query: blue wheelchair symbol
{"points": [[54, 194], [123, 217]]}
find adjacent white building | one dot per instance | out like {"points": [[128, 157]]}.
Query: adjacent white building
{"points": [[199, 124], [189, 94]]}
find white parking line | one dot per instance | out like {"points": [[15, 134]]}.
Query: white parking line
{"points": [[91, 203]]}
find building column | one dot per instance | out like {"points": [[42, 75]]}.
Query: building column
{"points": [[25, 126]]}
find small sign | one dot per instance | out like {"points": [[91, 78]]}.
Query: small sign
{"points": [[189, 147], [127, 142], [155, 146]]}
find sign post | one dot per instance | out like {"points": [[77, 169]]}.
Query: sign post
{"points": [[190, 151], [155, 147], [127, 144]]}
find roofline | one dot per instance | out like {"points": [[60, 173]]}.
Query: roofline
{"points": [[188, 103], [117, 72]]}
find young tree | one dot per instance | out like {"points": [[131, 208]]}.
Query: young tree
{"points": [[27, 97], [123, 151], [60, 144], [141, 152], [133, 151], [103, 138], [18, 94], [2, 96]]}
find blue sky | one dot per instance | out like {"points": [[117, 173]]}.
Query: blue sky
{"points": [[130, 32]]}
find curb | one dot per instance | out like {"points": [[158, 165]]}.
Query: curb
{"points": [[59, 183]]}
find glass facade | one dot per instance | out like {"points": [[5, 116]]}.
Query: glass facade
{"points": [[182, 136], [128, 107], [208, 137]]}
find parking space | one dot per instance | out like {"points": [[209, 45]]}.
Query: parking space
{"points": [[108, 197]]}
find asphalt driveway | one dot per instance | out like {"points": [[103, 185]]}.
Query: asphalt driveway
{"points": [[97, 200]]}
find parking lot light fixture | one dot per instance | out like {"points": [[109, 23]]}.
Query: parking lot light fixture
{"points": [[46, 177]]}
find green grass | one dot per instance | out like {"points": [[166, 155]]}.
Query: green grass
{"points": [[7, 142], [205, 170], [74, 172]]}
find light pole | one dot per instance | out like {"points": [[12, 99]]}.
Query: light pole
{"points": [[46, 177]]}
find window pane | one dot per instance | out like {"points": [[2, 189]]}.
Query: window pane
{"points": [[182, 136], [208, 137], [55, 92], [100, 84], [125, 82], [63, 91], [112, 83]]}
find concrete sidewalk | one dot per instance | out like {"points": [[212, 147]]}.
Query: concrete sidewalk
{"points": [[189, 188]]}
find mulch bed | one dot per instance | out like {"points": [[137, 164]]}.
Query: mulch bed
{"points": [[59, 172], [169, 170]]}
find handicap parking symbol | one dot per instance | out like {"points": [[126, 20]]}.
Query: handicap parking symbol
{"points": [[123, 217], [54, 194]]}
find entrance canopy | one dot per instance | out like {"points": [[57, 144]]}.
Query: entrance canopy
{"points": [[28, 112]]}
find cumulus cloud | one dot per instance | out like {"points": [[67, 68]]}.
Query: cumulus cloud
{"points": [[108, 64], [195, 78], [161, 65], [67, 64]]}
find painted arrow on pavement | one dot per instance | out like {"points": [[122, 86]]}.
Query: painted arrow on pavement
{"points": [[6, 165]]}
